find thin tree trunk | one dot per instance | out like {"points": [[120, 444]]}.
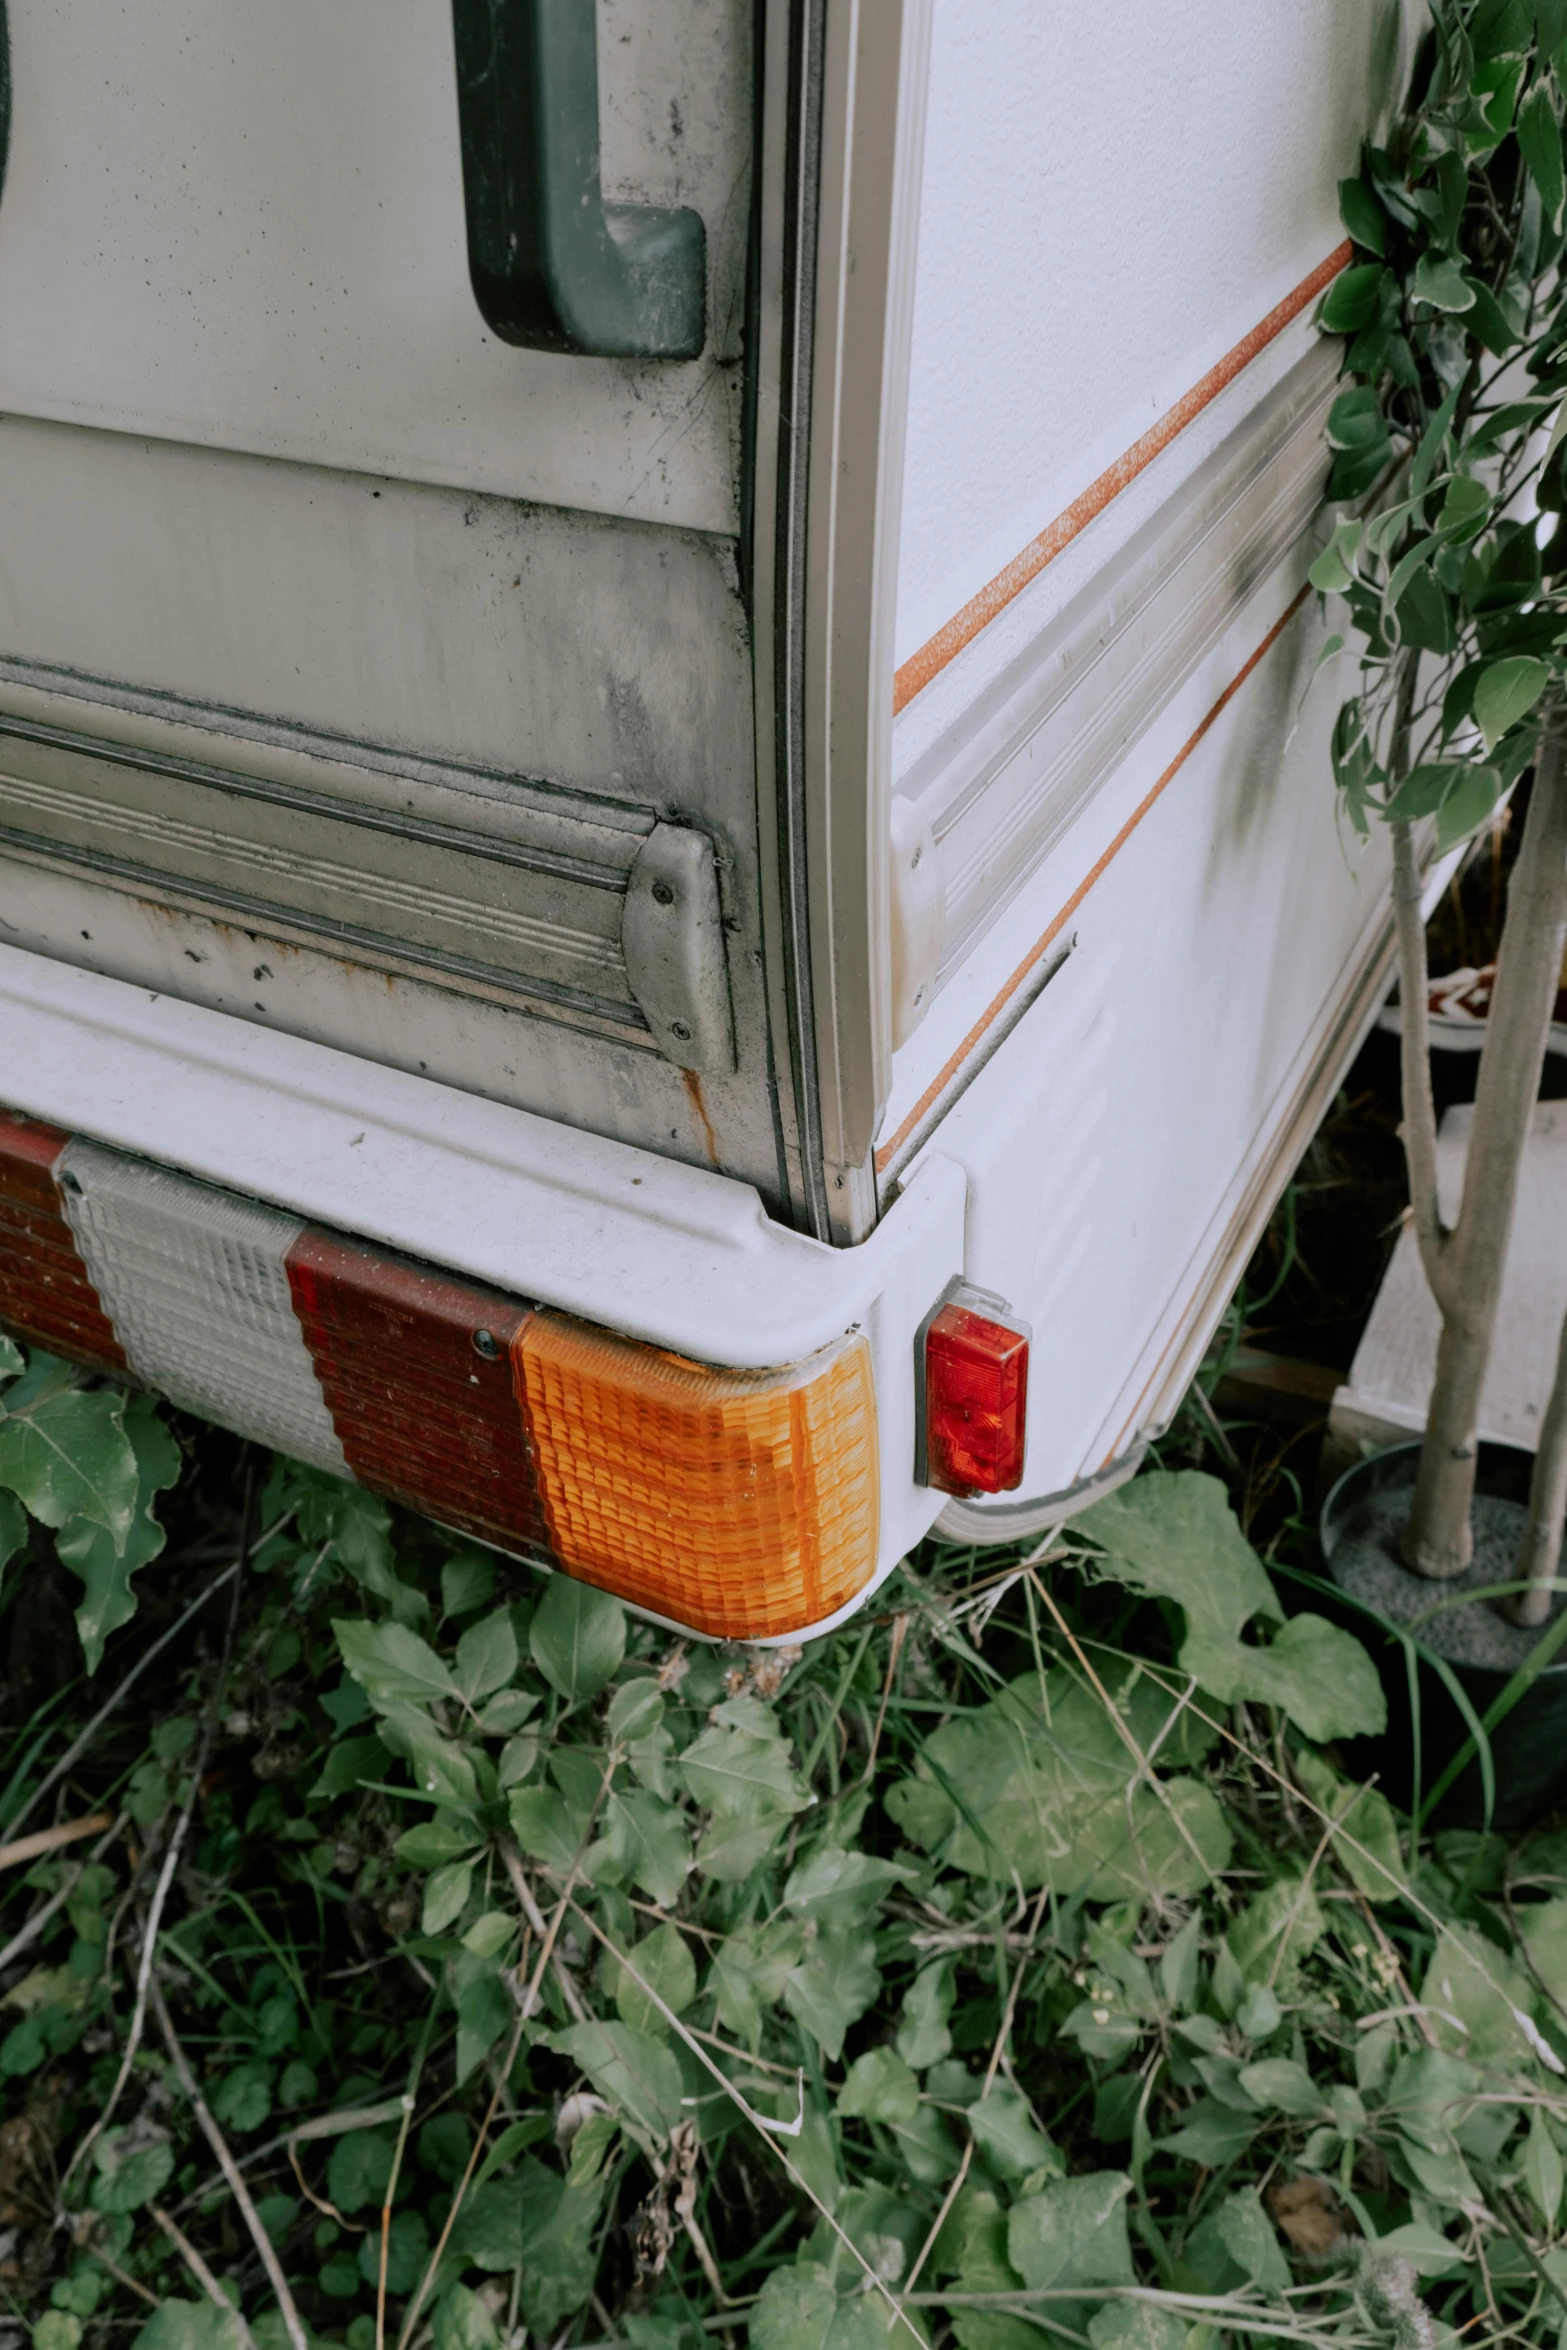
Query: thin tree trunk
{"points": [[1438, 1541], [1418, 1128], [1540, 1552]]}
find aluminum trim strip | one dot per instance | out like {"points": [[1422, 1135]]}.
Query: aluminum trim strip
{"points": [[1001, 786], [950, 639]]}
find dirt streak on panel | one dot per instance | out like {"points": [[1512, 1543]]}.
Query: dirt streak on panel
{"points": [[693, 1085]]}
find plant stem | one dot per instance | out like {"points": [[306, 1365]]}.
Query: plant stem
{"points": [[1418, 1129], [1438, 1541], [230, 2169], [1540, 1552]]}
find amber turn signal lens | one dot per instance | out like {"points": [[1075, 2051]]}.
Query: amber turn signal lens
{"points": [[744, 1504], [976, 1398]]}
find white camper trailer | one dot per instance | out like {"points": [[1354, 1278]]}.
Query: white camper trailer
{"points": [[667, 885]]}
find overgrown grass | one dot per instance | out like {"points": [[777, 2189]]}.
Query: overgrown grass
{"points": [[977, 1974]]}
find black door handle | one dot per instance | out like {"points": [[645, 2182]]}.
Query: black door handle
{"points": [[553, 266]]}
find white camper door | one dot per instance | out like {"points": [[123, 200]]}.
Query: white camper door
{"points": [[331, 621]]}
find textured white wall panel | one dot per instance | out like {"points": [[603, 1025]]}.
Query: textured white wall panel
{"points": [[244, 226], [1112, 199]]}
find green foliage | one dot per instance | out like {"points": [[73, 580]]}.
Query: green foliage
{"points": [[89, 1462], [1462, 217], [1176, 1539], [1032, 1942]]}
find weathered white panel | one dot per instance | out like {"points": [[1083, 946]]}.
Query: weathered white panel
{"points": [[602, 654], [1144, 1090], [1112, 199], [244, 226]]}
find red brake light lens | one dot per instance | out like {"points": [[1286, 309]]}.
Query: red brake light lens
{"points": [[976, 1398]]}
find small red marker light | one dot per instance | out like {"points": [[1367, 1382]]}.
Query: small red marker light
{"points": [[976, 1394]]}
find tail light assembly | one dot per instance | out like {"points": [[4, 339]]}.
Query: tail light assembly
{"points": [[975, 1420], [735, 1504]]}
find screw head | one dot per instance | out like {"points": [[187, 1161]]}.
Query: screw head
{"points": [[663, 895], [678, 1028], [487, 1344]]}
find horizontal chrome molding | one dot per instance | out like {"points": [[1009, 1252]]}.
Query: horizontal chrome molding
{"points": [[1002, 784], [488, 884]]}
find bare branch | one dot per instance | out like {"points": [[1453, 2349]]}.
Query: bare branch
{"points": [[1540, 1552], [203, 2275], [1437, 1540], [1418, 1130], [230, 2169]]}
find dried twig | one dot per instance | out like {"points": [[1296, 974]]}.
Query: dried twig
{"points": [[230, 2169], [512, 1862], [50, 1839], [758, 2121], [900, 1632], [154, 1918], [57, 1899], [79, 1745], [526, 2006], [203, 2275]]}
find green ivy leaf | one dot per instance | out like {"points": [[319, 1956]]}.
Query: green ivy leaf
{"points": [[832, 1986], [1363, 216], [1503, 693], [90, 1551], [462, 2322], [190, 2325], [1247, 2235], [12, 1360], [486, 1657], [799, 2309], [879, 2088], [664, 1962], [651, 1841], [634, 2073], [1351, 300], [1136, 2325], [65, 1454], [1281, 2085], [1540, 143], [1073, 2232], [578, 1637], [360, 2170], [242, 2100], [132, 2167], [1440, 283], [1006, 2133], [923, 2036], [392, 1665], [445, 1894], [1273, 1937]]}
